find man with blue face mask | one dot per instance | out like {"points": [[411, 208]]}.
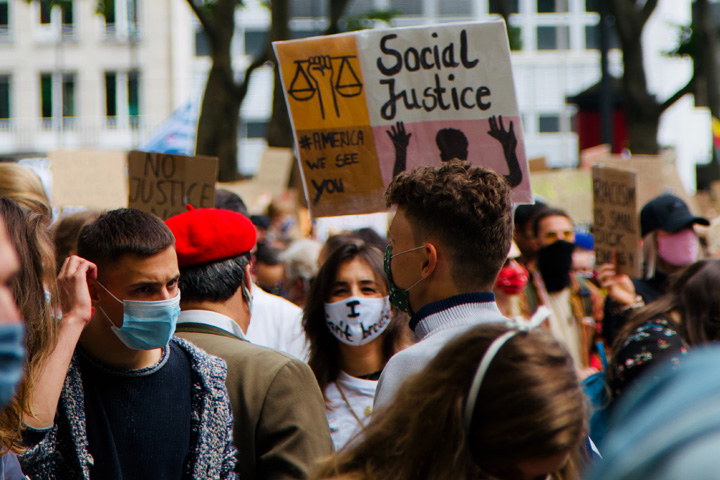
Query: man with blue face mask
{"points": [[448, 240], [121, 398], [280, 423]]}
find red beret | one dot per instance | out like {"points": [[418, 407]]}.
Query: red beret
{"points": [[209, 234]]}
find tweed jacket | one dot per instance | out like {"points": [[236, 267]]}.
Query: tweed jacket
{"points": [[280, 423], [63, 453]]}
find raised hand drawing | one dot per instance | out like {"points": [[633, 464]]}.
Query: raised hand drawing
{"points": [[320, 69], [509, 144], [400, 140]]}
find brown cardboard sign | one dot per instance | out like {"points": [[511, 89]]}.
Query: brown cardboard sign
{"points": [[616, 223], [569, 189], [164, 184], [89, 178]]}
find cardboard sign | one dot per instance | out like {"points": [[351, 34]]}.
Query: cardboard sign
{"points": [[367, 105], [568, 189], [270, 180], [657, 174], [164, 184], [87, 178], [616, 226], [538, 164]]}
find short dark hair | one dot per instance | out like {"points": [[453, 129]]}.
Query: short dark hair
{"points": [[267, 255], [543, 213], [227, 200], [467, 208], [452, 144], [524, 213], [120, 232], [214, 281]]}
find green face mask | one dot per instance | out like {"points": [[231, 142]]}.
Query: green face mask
{"points": [[399, 298]]}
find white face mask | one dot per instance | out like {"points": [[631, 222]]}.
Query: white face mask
{"points": [[358, 320]]}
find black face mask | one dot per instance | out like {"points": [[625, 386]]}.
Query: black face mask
{"points": [[554, 263]]}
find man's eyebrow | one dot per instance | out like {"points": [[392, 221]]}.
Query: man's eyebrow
{"points": [[145, 283]]}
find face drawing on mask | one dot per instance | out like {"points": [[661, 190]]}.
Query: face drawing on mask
{"points": [[357, 310]]}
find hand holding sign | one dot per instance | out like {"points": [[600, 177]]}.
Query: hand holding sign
{"points": [[619, 287]]}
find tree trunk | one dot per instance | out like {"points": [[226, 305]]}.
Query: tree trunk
{"points": [[642, 111], [708, 56], [279, 131], [219, 117]]}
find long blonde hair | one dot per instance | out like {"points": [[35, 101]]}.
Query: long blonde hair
{"points": [[22, 185], [530, 406], [36, 276]]}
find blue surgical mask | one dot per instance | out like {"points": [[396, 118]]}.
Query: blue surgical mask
{"points": [[12, 359], [146, 325], [399, 298]]}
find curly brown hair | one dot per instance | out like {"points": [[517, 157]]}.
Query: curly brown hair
{"points": [[530, 406], [465, 207]]}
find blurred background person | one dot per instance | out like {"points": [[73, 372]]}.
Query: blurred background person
{"points": [[669, 427], [669, 245], [301, 264], [346, 319], [583, 257], [686, 316], [510, 284], [268, 270], [65, 232], [527, 420], [575, 302], [22, 185], [523, 234]]}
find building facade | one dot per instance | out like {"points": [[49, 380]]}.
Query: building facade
{"points": [[71, 78]]}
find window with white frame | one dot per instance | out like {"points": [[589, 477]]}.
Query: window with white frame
{"points": [[5, 21], [122, 98], [57, 100], [121, 19], [56, 21], [553, 37], [5, 110]]}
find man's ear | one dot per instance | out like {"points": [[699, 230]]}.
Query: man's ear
{"points": [[248, 277], [430, 263], [94, 290]]}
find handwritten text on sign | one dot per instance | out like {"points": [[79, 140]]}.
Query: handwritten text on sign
{"points": [[616, 225], [165, 184], [368, 105]]}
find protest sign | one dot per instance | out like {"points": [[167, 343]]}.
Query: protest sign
{"points": [[616, 224], [89, 178], [569, 189], [164, 184], [538, 164], [657, 174], [367, 105], [270, 180]]}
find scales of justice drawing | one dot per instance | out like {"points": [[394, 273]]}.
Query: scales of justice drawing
{"points": [[315, 77]]}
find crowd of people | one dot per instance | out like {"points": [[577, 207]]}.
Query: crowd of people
{"points": [[220, 345]]}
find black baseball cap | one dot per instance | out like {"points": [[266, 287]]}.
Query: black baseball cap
{"points": [[667, 212]]}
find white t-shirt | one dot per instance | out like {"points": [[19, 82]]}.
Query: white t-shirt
{"points": [[277, 323], [360, 394]]}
